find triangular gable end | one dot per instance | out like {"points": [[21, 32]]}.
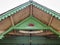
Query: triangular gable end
{"points": [[31, 23]]}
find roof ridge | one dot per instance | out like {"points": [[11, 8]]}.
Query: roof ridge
{"points": [[20, 7]]}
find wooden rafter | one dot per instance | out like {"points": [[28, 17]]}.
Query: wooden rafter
{"points": [[50, 21]]}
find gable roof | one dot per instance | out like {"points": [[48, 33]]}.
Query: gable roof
{"points": [[15, 10], [20, 7]]}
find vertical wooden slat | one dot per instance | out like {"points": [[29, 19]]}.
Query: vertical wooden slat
{"points": [[12, 20], [50, 21], [31, 9]]}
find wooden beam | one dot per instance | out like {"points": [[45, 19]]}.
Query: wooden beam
{"points": [[37, 34], [31, 9], [12, 20], [43, 34], [50, 21]]}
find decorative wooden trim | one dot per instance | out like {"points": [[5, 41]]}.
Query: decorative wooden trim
{"points": [[31, 9], [12, 20], [50, 21]]}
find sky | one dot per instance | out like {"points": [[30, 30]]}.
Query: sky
{"points": [[6, 5]]}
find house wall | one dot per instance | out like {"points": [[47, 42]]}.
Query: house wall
{"points": [[41, 15], [21, 15], [30, 10], [56, 24], [6, 23], [46, 18]]}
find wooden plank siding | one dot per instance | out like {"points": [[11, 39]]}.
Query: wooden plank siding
{"points": [[41, 15], [21, 15], [30, 10], [46, 18], [6, 23], [56, 24]]}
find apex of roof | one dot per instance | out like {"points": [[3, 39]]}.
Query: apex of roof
{"points": [[30, 2]]}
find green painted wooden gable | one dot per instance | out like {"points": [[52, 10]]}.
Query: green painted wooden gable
{"points": [[24, 25], [35, 24], [30, 20]]}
